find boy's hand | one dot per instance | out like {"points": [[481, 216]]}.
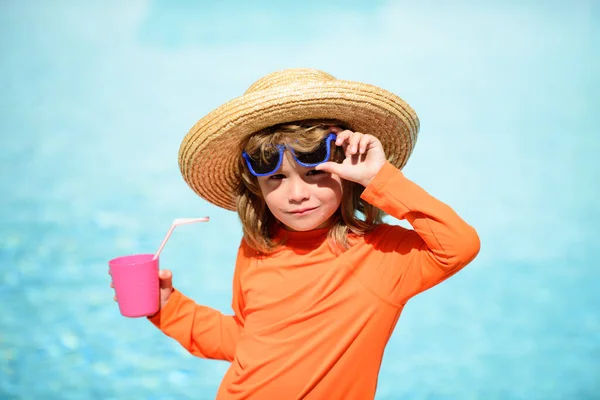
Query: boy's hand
{"points": [[364, 157], [166, 286]]}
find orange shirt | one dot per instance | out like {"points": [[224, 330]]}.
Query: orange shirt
{"points": [[310, 324]]}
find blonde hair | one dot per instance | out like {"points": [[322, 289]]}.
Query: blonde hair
{"points": [[258, 223]]}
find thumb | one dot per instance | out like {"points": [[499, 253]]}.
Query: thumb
{"points": [[166, 286], [166, 279], [331, 167]]}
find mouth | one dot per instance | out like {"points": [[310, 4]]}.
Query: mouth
{"points": [[302, 211]]}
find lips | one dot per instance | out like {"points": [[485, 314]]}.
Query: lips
{"points": [[302, 211]]}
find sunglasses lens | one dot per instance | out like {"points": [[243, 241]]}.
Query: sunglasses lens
{"points": [[315, 157], [266, 164]]}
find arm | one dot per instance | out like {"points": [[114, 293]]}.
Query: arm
{"points": [[405, 262], [440, 245], [203, 331]]}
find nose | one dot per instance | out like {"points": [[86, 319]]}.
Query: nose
{"points": [[298, 190]]}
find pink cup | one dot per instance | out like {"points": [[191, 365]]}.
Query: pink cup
{"points": [[135, 279]]}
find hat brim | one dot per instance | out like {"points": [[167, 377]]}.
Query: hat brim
{"points": [[209, 154]]}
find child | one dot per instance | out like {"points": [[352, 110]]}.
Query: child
{"points": [[311, 163]]}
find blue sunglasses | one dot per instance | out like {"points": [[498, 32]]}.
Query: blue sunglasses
{"points": [[272, 162]]}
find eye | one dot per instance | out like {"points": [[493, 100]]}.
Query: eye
{"points": [[315, 172], [277, 176]]}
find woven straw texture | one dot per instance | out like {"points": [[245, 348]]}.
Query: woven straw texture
{"points": [[209, 153]]}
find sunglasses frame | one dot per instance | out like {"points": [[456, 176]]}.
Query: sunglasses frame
{"points": [[281, 148]]}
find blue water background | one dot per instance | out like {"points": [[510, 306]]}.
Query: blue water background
{"points": [[95, 98]]}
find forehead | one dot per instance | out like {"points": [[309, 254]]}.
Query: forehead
{"points": [[277, 143], [294, 135]]}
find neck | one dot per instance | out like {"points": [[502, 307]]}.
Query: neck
{"points": [[312, 235]]}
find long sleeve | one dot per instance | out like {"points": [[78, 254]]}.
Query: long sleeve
{"points": [[439, 246], [203, 331]]}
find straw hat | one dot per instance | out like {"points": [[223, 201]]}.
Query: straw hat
{"points": [[209, 153]]}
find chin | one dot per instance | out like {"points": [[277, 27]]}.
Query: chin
{"points": [[302, 227], [309, 225]]}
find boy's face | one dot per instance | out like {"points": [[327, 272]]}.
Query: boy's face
{"points": [[301, 198]]}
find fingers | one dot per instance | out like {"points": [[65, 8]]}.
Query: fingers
{"points": [[166, 286], [354, 142], [166, 279], [329, 166], [112, 285], [342, 138], [365, 143]]}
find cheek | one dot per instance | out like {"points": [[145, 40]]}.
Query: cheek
{"points": [[273, 199], [264, 190], [337, 185], [271, 202], [332, 190]]}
